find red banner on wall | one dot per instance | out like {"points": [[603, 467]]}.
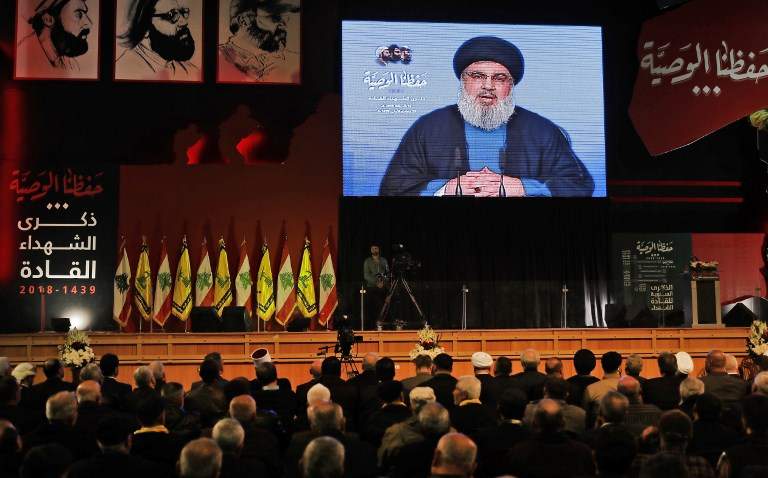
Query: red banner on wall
{"points": [[701, 67]]}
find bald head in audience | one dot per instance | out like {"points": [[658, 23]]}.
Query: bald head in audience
{"points": [[315, 369], [369, 361], [89, 391], [554, 367], [200, 458], [731, 364], [548, 418], [326, 417], [716, 362], [455, 455], [243, 408], [630, 388], [613, 408]]}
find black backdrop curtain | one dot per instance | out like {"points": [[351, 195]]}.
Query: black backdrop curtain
{"points": [[514, 255]]}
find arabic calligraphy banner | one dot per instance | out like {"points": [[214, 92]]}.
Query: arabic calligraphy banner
{"points": [[648, 272], [65, 233], [701, 67]]}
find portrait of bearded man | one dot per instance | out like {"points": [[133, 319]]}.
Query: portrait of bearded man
{"points": [[485, 145], [262, 39], [59, 39], [158, 40]]}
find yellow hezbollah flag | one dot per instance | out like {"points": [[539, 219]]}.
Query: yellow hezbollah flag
{"points": [[265, 290], [182, 287], [222, 286], [143, 282], [305, 289]]}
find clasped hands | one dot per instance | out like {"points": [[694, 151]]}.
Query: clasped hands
{"points": [[484, 183]]}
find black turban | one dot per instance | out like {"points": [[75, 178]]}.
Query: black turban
{"points": [[489, 49]]}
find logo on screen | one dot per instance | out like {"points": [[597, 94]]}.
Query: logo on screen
{"points": [[393, 54]]}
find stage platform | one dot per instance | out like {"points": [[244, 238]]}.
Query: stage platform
{"points": [[293, 351]]}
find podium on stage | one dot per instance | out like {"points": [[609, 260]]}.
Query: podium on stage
{"points": [[705, 294]]}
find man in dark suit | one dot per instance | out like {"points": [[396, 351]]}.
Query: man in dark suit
{"points": [[728, 388], [710, 437], [145, 388], [366, 384], [368, 401], [259, 443], [634, 367], [260, 356], [494, 442], [153, 441], [393, 411], [230, 436], [575, 418], [219, 381], [368, 375], [664, 391], [271, 397], [207, 400], [327, 419], [90, 410], [114, 394], [584, 362], [23, 419], [59, 428], [530, 380], [423, 365], [54, 383], [470, 414], [442, 381], [184, 426], [113, 436], [415, 458], [344, 394], [503, 374], [489, 392], [302, 389], [640, 415]]}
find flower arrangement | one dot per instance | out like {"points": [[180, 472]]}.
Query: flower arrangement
{"points": [[757, 342], [76, 350], [428, 344]]}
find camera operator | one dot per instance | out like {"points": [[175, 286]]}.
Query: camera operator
{"points": [[375, 273]]}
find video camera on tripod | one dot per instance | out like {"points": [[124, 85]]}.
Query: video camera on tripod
{"points": [[345, 337], [402, 260]]}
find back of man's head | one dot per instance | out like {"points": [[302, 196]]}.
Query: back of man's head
{"points": [[62, 407], [9, 390], [243, 408], [470, 386], [173, 394], [89, 392], [668, 465], [52, 368], [503, 366], [46, 461], [216, 357], [236, 387], [10, 443], [708, 407], [158, 370], [200, 458], [385, 369], [691, 386], [760, 385], [326, 418], [434, 420], [209, 370], [323, 458], [331, 367], [318, 393], [548, 417], [150, 410], [422, 362], [229, 435], [615, 449], [143, 377], [369, 361], [613, 407], [755, 416], [530, 359], [266, 373], [667, 364], [630, 388], [455, 455], [675, 430], [390, 391], [556, 388], [512, 404], [634, 365], [420, 396], [443, 363], [92, 372], [584, 361], [553, 367], [611, 361], [716, 361], [109, 364], [731, 364], [113, 432]]}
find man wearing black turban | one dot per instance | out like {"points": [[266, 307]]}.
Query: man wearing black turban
{"points": [[484, 145]]}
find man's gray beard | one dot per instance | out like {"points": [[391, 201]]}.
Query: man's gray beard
{"points": [[485, 117]]}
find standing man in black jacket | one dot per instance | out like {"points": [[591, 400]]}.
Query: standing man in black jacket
{"points": [[442, 381]]}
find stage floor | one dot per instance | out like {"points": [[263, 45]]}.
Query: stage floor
{"points": [[294, 351]]}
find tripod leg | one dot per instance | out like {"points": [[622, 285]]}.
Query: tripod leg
{"points": [[413, 299], [387, 301]]}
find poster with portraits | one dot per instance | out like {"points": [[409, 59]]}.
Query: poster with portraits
{"points": [[259, 42], [57, 39], [159, 40]]}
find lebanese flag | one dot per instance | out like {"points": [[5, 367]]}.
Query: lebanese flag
{"points": [[244, 281], [204, 279], [328, 299], [162, 307], [286, 290], [121, 307]]}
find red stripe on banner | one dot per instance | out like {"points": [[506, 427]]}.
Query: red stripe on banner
{"points": [[667, 199], [330, 305], [674, 183]]}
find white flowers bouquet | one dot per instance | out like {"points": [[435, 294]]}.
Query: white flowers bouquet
{"points": [[428, 344], [757, 342], [76, 350]]}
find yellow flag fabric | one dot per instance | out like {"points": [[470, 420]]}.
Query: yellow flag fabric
{"points": [[265, 289], [305, 288], [222, 286], [182, 287], [143, 284]]}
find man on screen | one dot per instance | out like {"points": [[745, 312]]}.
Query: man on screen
{"points": [[484, 145]]}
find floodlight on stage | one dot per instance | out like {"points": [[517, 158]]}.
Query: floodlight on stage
{"points": [[79, 319]]}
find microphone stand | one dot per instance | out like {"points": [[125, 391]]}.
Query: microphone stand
{"points": [[464, 291], [362, 307], [564, 307], [457, 158], [502, 189]]}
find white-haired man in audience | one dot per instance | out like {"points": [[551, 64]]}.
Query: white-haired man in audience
{"points": [[690, 389], [469, 414], [200, 458], [760, 384], [230, 436], [89, 409], [634, 367], [454, 456], [530, 380], [158, 371], [92, 372], [415, 459], [403, 433], [323, 458], [145, 387], [61, 415], [259, 444]]}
